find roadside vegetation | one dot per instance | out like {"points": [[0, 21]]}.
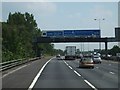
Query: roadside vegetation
{"points": [[18, 34], [113, 51]]}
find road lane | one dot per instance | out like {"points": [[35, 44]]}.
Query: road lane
{"points": [[111, 66], [22, 78], [100, 77], [105, 66], [58, 75]]}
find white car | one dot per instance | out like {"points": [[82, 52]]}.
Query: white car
{"points": [[58, 57], [97, 59]]}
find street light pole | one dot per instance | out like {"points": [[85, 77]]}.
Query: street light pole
{"points": [[99, 20]]}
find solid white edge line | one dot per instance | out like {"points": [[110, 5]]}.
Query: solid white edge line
{"points": [[77, 73], [90, 85], [38, 75]]}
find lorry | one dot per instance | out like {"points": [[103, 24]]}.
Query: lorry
{"points": [[70, 53]]}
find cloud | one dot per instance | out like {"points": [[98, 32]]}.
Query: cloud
{"points": [[43, 8], [75, 15], [33, 7], [38, 9], [99, 11]]}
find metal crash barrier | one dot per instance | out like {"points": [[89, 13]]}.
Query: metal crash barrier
{"points": [[13, 63]]}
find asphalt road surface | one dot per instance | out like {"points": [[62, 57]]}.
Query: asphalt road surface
{"points": [[64, 74]]}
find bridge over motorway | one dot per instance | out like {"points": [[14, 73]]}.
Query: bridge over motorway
{"points": [[75, 39], [73, 36]]}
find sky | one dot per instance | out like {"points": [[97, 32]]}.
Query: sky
{"points": [[70, 15]]}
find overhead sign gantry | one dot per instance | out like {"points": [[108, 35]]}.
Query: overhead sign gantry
{"points": [[72, 33], [64, 36]]}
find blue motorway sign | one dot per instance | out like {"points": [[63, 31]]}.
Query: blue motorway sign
{"points": [[68, 33], [54, 33], [86, 33], [81, 33], [74, 33]]}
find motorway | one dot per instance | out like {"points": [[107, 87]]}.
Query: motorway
{"points": [[63, 74]]}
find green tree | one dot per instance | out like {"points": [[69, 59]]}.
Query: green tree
{"points": [[114, 50], [18, 34]]}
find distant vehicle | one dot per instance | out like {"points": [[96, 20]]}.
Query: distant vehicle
{"points": [[95, 53], [62, 57], [109, 55], [70, 53], [58, 56], [118, 56], [97, 59], [86, 62], [94, 33]]}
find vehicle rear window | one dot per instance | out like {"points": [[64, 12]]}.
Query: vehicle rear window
{"points": [[96, 56], [87, 59]]}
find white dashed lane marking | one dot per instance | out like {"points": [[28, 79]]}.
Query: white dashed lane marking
{"points": [[77, 73], [97, 67], [90, 85], [67, 64], [93, 87], [111, 72], [70, 67]]}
